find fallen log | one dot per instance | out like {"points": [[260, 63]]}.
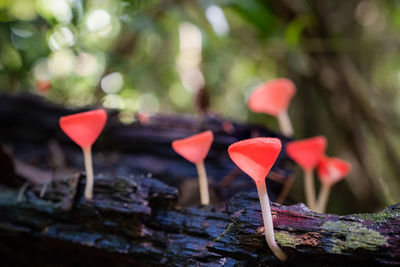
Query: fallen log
{"points": [[137, 220]]}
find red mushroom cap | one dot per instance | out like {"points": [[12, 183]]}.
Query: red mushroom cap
{"points": [[255, 156], [272, 97], [332, 170], [194, 148], [307, 152], [84, 128]]}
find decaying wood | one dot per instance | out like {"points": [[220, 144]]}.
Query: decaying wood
{"points": [[137, 220]]}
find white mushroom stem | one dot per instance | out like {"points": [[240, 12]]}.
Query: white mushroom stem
{"points": [[323, 197], [203, 183], [285, 124], [87, 155], [309, 189], [268, 224]]}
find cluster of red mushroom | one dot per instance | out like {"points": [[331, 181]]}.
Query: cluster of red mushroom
{"points": [[254, 156], [309, 154], [273, 97]]}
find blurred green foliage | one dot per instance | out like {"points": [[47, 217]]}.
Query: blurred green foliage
{"points": [[130, 55], [64, 48]]}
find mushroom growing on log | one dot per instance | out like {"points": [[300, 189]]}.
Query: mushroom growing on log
{"points": [[195, 149], [84, 128], [255, 157], [273, 97], [307, 153], [330, 171]]}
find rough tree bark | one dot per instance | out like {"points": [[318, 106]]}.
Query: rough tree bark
{"points": [[136, 220]]}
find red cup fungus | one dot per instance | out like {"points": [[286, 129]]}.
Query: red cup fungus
{"points": [[195, 149], [330, 171], [256, 157], [307, 153], [273, 97], [84, 128]]}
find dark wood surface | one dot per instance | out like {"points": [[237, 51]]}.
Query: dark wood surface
{"points": [[137, 220]]}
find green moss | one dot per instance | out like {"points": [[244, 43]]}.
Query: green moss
{"points": [[229, 228], [383, 216], [353, 235], [287, 240]]}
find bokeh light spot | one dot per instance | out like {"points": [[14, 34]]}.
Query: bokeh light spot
{"points": [[62, 62], [112, 83], [148, 103], [179, 96], [41, 70], [217, 19], [61, 38], [113, 101], [58, 9], [98, 20], [23, 9]]}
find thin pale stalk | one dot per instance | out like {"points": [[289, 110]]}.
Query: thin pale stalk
{"points": [[309, 189], [87, 155], [285, 124], [268, 224], [203, 183], [323, 198]]}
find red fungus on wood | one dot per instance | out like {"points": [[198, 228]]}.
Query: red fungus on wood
{"points": [[256, 157], [307, 153], [330, 171], [273, 97], [84, 129], [195, 149]]}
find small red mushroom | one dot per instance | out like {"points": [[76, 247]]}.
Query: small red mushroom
{"points": [[255, 157], [330, 171], [143, 117], [43, 86], [228, 127], [273, 97], [307, 153], [84, 128], [195, 149]]}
